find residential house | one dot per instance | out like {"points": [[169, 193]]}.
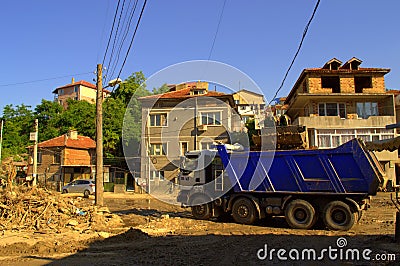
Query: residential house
{"points": [[188, 117], [338, 102], [396, 94], [250, 105], [63, 159], [80, 91]]}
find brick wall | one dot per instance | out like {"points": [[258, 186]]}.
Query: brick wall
{"points": [[346, 84]]}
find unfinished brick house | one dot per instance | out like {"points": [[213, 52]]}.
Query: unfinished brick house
{"points": [[63, 159], [338, 102]]}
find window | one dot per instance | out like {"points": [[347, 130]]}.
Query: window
{"points": [[39, 157], [207, 145], [211, 118], [60, 92], [362, 82], [76, 98], [157, 174], [158, 120], [367, 109], [331, 82], [334, 137], [237, 101], [76, 88], [158, 149], [198, 92], [56, 158], [332, 109], [219, 180], [243, 107], [184, 148], [246, 118]]}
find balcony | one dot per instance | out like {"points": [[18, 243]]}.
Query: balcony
{"points": [[337, 122]]}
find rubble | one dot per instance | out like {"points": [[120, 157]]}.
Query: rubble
{"points": [[38, 209]]}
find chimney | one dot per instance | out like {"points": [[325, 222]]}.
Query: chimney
{"points": [[73, 80], [72, 134]]}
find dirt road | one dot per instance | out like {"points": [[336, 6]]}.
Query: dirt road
{"points": [[162, 234]]}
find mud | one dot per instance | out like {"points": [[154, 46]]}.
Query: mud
{"points": [[160, 234]]}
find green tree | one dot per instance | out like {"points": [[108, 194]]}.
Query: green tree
{"points": [[81, 116], [18, 124], [134, 84], [48, 113], [113, 116], [164, 88]]}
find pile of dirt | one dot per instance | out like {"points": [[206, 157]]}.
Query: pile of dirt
{"points": [[39, 209]]}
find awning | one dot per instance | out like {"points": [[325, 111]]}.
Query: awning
{"points": [[381, 145]]}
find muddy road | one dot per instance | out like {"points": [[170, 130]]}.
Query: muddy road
{"points": [[157, 233]]}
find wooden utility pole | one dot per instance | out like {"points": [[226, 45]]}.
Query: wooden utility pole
{"points": [[35, 154], [1, 138], [99, 137]]}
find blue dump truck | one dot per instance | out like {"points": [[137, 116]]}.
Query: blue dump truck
{"points": [[334, 185]]}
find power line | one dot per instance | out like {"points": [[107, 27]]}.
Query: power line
{"points": [[216, 32], [111, 33], [103, 30], [115, 36], [297, 52], [46, 79], [133, 37], [127, 28]]}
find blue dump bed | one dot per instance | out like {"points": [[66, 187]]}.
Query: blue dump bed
{"points": [[349, 168]]}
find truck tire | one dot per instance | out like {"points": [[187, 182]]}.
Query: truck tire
{"points": [[338, 216], [200, 210], [300, 214], [244, 211]]}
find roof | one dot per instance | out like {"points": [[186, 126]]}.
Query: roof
{"points": [[82, 83], [64, 141], [183, 94], [394, 92], [247, 91]]}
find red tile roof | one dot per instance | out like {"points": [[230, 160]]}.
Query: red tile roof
{"points": [[183, 94], [64, 141], [81, 82], [394, 92]]}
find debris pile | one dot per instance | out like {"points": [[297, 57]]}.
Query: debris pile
{"points": [[39, 209]]}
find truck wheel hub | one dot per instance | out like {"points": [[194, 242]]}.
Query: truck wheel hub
{"points": [[243, 211]]}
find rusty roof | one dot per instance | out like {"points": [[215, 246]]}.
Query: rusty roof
{"points": [[82, 83], [81, 142], [183, 94]]}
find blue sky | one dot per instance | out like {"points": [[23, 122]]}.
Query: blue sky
{"points": [[43, 40]]}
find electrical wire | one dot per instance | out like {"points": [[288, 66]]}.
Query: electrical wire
{"points": [[133, 37], [46, 79], [125, 35], [115, 37], [111, 33], [216, 32], [298, 50]]}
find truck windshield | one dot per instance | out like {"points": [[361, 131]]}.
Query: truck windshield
{"points": [[189, 163]]}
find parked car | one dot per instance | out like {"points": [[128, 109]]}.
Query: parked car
{"points": [[85, 186]]}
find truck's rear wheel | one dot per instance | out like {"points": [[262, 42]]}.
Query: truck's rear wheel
{"points": [[300, 214], [337, 215], [244, 211], [200, 209]]}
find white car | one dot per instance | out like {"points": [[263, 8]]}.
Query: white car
{"points": [[85, 186]]}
